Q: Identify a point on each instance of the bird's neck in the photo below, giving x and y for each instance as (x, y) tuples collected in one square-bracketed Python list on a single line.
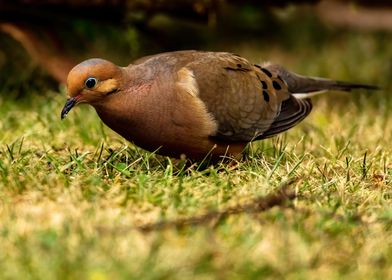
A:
[(127, 113)]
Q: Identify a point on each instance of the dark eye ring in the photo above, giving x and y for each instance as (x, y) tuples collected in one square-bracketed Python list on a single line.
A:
[(90, 82)]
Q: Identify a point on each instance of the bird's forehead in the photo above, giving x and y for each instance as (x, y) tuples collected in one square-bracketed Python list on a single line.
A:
[(87, 68), (75, 80), (97, 68)]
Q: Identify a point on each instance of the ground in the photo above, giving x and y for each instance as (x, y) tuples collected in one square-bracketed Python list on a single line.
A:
[(72, 192)]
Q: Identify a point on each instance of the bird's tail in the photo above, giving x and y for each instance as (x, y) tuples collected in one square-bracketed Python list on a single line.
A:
[(305, 87)]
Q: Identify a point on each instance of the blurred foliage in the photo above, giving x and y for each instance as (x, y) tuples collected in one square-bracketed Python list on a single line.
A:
[(290, 28), (18, 73)]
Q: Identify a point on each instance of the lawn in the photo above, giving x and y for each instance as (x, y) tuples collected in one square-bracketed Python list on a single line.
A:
[(74, 195)]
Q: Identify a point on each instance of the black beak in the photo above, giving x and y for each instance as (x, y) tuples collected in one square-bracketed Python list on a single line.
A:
[(68, 106)]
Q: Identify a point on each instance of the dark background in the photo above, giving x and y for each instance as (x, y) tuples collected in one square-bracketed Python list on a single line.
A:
[(42, 39)]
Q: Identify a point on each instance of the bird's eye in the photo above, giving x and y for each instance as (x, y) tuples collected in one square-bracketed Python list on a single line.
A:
[(90, 82)]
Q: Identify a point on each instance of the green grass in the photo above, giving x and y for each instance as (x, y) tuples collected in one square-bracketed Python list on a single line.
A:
[(71, 192)]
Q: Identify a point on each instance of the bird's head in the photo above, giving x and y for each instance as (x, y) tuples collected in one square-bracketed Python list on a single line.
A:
[(91, 82)]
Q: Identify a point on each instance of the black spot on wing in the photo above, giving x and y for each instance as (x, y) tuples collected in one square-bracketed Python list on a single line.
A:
[(266, 96), (237, 69), (264, 70), (268, 73), (264, 84), (276, 85)]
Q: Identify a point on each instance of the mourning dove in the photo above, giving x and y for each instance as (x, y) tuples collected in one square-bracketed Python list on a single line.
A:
[(195, 103)]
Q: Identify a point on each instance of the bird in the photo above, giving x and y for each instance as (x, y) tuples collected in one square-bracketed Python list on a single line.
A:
[(196, 104)]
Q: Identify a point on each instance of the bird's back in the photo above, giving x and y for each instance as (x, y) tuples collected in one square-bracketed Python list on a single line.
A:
[(244, 99)]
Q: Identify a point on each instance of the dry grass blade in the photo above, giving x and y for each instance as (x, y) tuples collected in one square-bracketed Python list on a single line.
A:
[(259, 204)]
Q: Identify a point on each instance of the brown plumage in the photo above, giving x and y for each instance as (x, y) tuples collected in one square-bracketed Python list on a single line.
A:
[(195, 103)]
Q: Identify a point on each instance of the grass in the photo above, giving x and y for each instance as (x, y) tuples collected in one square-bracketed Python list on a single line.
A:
[(71, 192)]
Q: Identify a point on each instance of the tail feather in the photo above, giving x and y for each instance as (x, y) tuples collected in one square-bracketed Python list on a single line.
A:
[(305, 87), (347, 86)]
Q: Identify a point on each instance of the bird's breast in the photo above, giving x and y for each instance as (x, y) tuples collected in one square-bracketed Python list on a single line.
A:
[(170, 122)]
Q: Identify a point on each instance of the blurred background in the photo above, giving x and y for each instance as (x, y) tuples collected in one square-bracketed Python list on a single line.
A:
[(72, 190), (41, 40)]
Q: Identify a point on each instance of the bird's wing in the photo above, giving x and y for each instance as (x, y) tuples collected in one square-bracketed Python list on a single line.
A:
[(247, 101)]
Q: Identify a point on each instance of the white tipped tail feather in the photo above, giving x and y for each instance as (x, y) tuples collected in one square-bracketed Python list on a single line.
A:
[(305, 87)]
